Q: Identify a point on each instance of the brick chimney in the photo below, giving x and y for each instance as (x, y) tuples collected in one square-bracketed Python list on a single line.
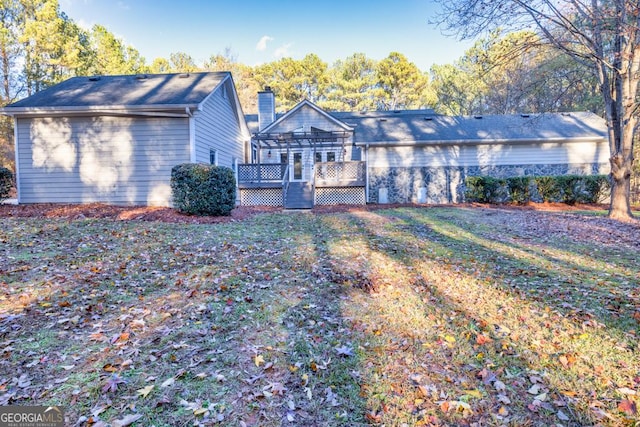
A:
[(266, 108)]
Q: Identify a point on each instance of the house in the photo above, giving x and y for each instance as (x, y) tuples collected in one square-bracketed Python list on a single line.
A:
[(308, 156), (115, 139)]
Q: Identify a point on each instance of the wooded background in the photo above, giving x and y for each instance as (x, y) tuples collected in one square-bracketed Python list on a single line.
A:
[(502, 73)]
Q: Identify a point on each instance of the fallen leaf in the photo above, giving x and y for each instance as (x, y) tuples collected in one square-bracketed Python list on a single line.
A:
[(344, 351), (629, 407), (473, 393), (535, 389), (482, 339), (144, 392), (562, 416), (126, 421), (168, 382), (625, 390), (258, 360), (112, 383)]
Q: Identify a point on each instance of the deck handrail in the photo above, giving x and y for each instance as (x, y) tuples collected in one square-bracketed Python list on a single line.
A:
[(340, 171), (261, 172), (285, 182)]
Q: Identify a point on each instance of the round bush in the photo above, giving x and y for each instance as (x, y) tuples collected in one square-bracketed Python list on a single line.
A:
[(202, 189)]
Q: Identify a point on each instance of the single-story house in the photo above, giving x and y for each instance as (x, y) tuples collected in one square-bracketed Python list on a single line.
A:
[(114, 139), (308, 156)]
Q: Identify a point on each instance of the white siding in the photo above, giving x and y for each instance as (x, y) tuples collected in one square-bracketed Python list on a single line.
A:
[(217, 127), (118, 160), (303, 119), (489, 155)]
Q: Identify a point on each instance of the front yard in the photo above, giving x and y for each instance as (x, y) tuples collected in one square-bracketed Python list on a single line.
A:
[(405, 316)]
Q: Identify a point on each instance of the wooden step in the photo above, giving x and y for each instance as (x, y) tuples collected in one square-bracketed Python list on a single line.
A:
[(299, 196)]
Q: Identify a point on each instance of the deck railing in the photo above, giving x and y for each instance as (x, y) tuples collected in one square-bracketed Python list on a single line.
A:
[(257, 173), (343, 173), (326, 174)]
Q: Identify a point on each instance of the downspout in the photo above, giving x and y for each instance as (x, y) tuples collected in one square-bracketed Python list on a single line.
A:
[(16, 156), (366, 173), (192, 135)]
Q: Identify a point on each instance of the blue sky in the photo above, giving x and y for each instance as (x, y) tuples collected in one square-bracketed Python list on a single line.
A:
[(263, 31)]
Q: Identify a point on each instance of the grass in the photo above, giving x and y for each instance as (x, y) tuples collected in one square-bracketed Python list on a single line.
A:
[(409, 316)]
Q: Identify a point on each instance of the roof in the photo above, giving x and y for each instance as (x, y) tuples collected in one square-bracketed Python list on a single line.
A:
[(143, 91), (420, 128), (416, 127)]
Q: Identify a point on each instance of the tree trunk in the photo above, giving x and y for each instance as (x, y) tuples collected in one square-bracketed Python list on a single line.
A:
[(620, 207)]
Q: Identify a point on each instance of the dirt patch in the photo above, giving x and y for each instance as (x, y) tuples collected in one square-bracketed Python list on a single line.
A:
[(149, 213)]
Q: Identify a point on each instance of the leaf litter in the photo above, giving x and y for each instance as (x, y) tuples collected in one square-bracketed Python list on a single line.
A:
[(415, 316)]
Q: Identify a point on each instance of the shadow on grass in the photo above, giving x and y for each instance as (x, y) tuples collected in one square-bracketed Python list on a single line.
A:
[(542, 355)]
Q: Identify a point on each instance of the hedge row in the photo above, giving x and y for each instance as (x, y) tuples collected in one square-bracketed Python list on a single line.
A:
[(568, 189), (6, 183), (202, 189)]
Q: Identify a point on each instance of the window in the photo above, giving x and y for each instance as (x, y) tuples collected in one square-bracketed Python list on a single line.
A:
[(318, 157), (213, 157), (331, 156), (283, 158)]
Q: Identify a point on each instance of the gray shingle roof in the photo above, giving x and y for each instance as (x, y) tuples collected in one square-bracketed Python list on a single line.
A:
[(125, 91), (409, 127)]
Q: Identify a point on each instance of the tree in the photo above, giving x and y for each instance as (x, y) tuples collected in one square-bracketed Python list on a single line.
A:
[(352, 84), (109, 55), (182, 63), (51, 44), (295, 80), (159, 66), (401, 84), (602, 34), (246, 85)]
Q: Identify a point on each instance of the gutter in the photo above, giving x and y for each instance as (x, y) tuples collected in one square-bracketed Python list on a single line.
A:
[(480, 141), (160, 110)]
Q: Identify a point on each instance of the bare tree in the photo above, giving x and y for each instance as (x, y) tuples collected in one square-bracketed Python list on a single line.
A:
[(605, 34)]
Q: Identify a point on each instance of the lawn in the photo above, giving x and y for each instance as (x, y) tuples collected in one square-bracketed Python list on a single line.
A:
[(404, 316)]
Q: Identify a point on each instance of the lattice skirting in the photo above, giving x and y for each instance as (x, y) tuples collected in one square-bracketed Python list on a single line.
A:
[(261, 197), (340, 196)]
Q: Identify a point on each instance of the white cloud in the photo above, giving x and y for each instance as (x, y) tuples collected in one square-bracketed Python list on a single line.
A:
[(262, 44), (283, 50)]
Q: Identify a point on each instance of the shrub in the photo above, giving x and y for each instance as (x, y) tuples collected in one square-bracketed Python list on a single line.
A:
[(6, 183), (519, 189), (597, 188), (202, 189), (485, 189), (570, 188), (547, 188)]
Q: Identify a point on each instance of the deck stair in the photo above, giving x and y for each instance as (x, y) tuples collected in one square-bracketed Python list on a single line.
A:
[(299, 195)]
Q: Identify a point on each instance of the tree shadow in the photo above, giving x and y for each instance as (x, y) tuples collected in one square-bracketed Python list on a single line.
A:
[(526, 340)]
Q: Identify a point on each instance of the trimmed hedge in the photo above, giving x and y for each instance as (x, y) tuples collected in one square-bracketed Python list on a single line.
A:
[(569, 189), (484, 189), (6, 183), (202, 189), (519, 189)]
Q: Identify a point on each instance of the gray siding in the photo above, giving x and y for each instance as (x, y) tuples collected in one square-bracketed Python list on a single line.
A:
[(117, 160), (490, 154), (217, 127)]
